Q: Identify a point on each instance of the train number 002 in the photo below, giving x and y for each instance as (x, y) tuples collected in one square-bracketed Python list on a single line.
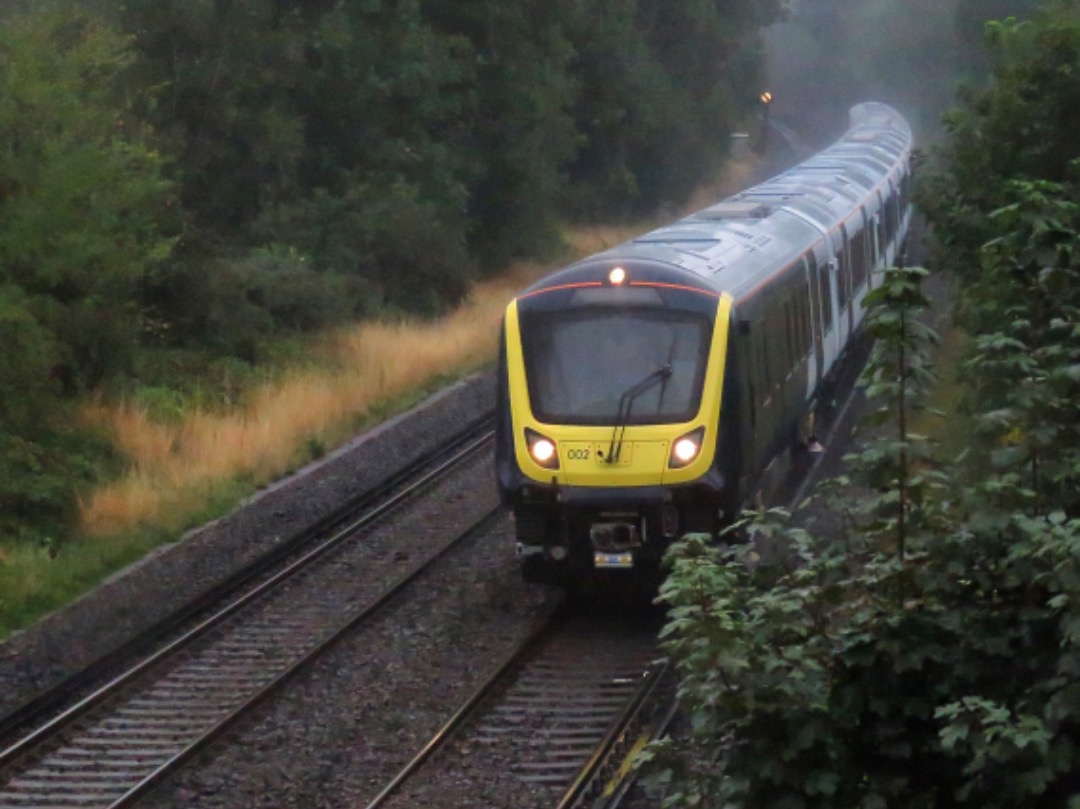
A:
[(578, 454)]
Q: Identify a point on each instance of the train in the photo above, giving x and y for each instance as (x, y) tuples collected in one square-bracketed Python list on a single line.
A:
[(643, 392)]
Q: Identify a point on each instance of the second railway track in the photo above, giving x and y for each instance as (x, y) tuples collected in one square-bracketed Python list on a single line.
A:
[(555, 728), (110, 747)]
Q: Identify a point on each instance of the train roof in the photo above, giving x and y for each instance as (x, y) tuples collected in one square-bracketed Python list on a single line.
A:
[(737, 244)]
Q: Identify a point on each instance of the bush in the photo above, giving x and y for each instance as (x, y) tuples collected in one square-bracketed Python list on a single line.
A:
[(854, 680), (928, 658)]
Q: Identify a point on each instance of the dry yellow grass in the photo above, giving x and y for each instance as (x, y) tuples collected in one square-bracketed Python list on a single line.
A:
[(174, 468)]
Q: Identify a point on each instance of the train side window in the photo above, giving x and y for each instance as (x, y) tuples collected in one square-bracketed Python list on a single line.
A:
[(807, 331), (749, 376), (841, 278), (789, 323), (899, 203), (876, 242), (824, 300), (794, 330), (855, 259), (888, 216), (758, 383), (826, 295), (765, 367)]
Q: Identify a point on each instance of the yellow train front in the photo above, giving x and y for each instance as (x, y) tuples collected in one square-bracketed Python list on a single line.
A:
[(611, 388)]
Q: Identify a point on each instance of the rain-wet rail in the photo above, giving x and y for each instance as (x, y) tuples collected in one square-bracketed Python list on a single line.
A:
[(365, 508), (562, 718), (113, 745)]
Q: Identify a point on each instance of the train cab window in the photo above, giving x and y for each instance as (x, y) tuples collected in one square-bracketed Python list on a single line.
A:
[(581, 363)]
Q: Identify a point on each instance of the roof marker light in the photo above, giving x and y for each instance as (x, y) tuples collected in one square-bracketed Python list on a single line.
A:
[(617, 276)]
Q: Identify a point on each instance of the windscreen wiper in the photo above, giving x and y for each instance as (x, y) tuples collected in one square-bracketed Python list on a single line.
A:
[(626, 403), (670, 360)]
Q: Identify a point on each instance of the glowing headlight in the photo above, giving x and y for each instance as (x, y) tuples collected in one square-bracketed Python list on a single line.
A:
[(686, 448), (542, 449)]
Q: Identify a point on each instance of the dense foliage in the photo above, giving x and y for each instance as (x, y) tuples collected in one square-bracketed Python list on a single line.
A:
[(205, 176), (928, 653), (82, 206)]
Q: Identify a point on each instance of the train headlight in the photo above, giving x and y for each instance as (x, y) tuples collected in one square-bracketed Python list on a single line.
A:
[(686, 448), (542, 449)]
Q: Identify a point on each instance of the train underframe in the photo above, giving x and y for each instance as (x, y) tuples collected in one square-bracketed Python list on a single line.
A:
[(575, 535)]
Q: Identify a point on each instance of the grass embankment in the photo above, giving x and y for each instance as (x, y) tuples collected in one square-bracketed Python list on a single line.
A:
[(184, 471)]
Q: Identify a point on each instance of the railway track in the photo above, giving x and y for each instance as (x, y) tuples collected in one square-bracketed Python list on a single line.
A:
[(118, 741), (556, 726)]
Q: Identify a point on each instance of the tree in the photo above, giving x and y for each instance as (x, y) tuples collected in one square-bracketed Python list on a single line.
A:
[(517, 117), (898, 375), (1000, 200), (82, 199), (662, 86), (1017, 127), (385, 184), (224, 72)]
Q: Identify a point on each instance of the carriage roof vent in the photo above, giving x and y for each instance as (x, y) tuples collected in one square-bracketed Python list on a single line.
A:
[(863, 137), (736, 210)]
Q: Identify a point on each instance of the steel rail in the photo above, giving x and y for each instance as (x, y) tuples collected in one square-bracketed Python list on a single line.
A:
[(446, 732), (51, 702), (589, 788), (571, 686), (41, 736)]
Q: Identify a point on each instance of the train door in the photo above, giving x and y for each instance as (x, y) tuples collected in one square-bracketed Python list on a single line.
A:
[(904, 212), (817, 347), (838, 289), (859, 253), (891, 225), (875, 239), (827, 298), (750, 364), (845, 267)]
